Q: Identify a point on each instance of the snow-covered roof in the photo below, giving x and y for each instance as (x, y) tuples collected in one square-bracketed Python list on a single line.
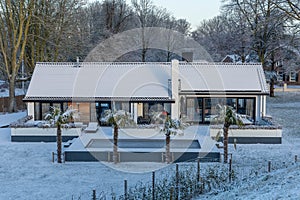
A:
[(102, 81), (139, 81), (222, 77)]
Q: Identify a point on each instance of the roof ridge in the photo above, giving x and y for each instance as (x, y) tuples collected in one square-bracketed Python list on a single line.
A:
[(74, 64)]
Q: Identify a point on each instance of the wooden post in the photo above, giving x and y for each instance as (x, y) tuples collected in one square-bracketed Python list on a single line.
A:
[(171, 193), (94, 194), (296, 158), (125, 190), (53, 157), (177, 182), (153, 185), (198, 170), (230, 169), (64, 157), (269, 166)]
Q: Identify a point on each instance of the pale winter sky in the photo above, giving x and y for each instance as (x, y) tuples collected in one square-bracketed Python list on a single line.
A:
[(192, 10)]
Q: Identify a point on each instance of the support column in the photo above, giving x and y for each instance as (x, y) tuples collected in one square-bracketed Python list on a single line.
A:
[(175, 89), (135, 112), (30, 109), (264, 105)]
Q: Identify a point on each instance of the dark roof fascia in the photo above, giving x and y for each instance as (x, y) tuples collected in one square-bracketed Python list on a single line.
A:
[(226, 92), (99, 99)]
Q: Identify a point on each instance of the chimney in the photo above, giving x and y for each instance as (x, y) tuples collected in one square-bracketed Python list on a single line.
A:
[(187, 56), (77, 62)]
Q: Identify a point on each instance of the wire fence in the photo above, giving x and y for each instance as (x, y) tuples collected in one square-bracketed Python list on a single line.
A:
[(189, 179)]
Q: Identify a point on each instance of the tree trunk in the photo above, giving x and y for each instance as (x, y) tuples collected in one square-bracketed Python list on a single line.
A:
[(272, 88), (168, 154), (225, 145), (115, 153), (12, 99), (59, 141)]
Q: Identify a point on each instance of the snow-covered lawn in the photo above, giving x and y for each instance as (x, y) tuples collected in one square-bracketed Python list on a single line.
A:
[(26, 171), (251, 161), (6, 119)]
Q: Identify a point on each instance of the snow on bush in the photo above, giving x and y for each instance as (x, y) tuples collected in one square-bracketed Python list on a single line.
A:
[(122, 118)]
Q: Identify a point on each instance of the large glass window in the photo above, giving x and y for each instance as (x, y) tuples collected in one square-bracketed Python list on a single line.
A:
[(211, 108), (194, 109), (122, 106), (205, 110), (37, 114), (45, 109)]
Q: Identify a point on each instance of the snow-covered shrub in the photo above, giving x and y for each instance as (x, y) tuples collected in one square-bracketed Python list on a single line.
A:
[(22, 123), (173, 126), (121, 117)]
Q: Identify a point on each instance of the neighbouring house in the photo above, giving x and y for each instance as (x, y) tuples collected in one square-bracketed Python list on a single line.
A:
[(186, 90), (234, 58)]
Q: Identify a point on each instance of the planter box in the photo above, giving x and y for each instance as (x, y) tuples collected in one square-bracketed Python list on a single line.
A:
[(252, 136), (42, 134)]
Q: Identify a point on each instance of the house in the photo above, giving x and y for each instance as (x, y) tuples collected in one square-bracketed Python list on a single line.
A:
[(186, 90)]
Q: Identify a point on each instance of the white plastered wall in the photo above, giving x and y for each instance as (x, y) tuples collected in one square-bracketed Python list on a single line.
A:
[(175, 85), (30, 109)]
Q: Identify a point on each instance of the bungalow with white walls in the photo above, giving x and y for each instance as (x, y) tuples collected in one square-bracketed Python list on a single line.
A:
[(186, 90)]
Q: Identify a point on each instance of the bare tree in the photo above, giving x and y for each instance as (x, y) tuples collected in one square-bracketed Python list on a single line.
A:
[(223, 35), (290, 7), (147, 15), (117, 13), (266, 23), (15, 19)]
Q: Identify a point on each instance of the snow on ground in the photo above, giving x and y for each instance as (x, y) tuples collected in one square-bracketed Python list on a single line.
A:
[(251, 161), (6, 119), (26, 171), (5, 92)]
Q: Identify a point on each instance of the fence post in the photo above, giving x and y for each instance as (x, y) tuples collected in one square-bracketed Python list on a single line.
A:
[(94, 194), (52, 156), (64, 157), (230, 169), (296, 158), (153, 185), (125, 190), (171, 193), (198, 170), (177, 182), (269, 166)]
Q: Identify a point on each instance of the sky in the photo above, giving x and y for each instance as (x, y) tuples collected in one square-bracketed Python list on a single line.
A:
[(194, 11)]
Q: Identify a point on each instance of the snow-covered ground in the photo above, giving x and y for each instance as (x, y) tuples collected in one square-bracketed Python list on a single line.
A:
[(26, 171), (251, 161), (6, 119), (4, 92)]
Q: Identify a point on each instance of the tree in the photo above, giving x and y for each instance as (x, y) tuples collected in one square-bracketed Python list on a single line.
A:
[(57, 118), (228, 116), (113, 122), (224, 35), (117, 119), (267, 25), (147, 15), (290, 7), (171, 127), (15, 19)]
